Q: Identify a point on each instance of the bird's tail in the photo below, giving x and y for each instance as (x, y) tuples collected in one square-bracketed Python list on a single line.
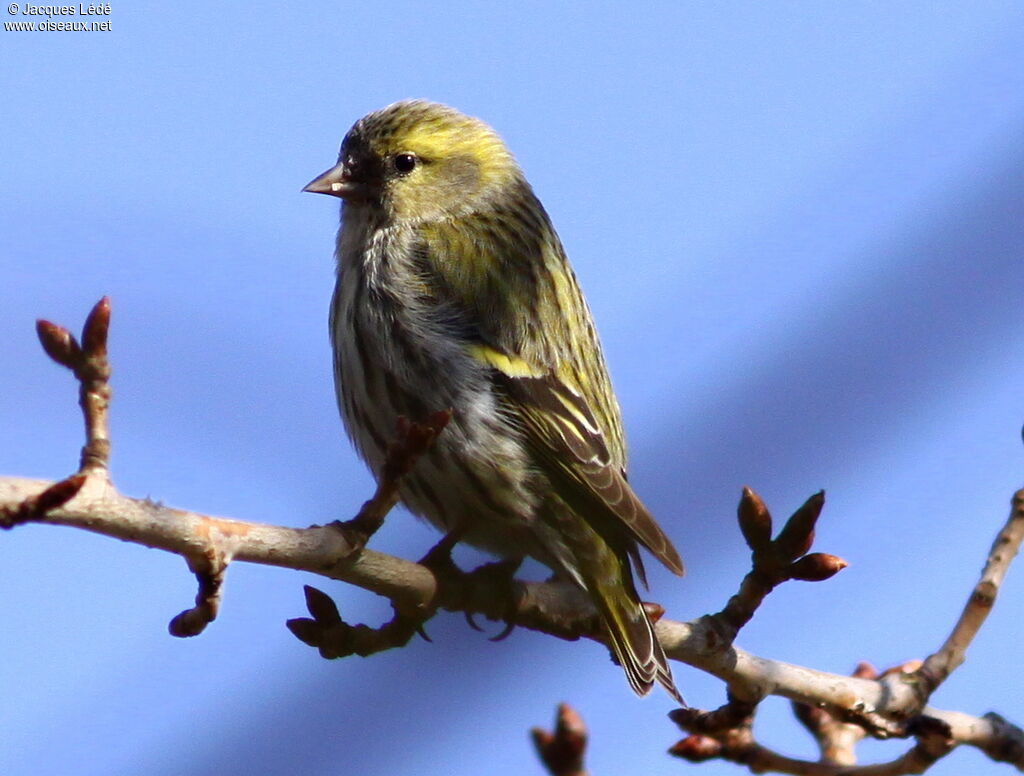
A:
[(632, 639)]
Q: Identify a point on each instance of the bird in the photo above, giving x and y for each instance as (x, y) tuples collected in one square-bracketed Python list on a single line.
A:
[(454, 292)]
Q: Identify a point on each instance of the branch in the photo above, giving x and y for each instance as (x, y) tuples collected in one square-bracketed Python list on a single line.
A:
[(938, 666), (836, 738), (736, 743), (550, 607), (890, 705), (893, 704)]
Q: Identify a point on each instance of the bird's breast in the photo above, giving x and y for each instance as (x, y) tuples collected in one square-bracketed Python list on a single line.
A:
[(390, 335)]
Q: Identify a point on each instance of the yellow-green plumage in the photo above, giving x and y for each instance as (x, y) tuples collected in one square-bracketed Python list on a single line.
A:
[(454, 291)]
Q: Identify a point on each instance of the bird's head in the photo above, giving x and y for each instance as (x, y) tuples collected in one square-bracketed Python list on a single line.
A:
[(419, 161)]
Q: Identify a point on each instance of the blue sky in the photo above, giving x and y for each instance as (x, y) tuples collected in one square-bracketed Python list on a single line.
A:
[(798, 226)]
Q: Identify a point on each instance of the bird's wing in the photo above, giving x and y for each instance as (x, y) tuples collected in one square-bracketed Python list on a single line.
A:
[(572, 451), (485, 309)]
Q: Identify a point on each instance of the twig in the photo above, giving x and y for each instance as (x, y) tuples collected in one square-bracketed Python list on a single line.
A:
[(210, 571), (335, 638), (836, 739), (736, 743), (412, 440), (774, 561), (89, 363), (734, 715), (562, 751), (938, 666)]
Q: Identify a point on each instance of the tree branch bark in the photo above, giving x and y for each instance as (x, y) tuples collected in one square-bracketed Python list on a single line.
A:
[(893, 704)]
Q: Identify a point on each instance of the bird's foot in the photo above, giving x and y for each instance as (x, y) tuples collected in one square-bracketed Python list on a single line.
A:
[(496, 582)]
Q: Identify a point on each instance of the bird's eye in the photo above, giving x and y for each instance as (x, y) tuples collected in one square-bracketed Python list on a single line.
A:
[(405, 163)]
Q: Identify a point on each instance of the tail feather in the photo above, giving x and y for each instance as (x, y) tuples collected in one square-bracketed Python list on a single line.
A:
[(633, 642)]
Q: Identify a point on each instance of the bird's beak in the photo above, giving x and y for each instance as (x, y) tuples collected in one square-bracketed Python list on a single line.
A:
[(338, 182)]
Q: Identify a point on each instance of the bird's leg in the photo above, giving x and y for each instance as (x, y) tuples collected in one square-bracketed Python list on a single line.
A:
[(439, 560), (439, 557), (490, 589)]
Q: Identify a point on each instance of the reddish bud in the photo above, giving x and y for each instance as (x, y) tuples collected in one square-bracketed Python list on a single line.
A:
[(865, 670), (653, 611), (755, 520), (811, 717), (190, 622), (817, 567), (570, 721), (563, 750), (570, 730), (438, 420), (59, 343), (687, 717), (37, 507), (94, 333), (321, 606), (797, 536), (59, 494), (305, 630), (542, 739), (908, 667), (696, 749)]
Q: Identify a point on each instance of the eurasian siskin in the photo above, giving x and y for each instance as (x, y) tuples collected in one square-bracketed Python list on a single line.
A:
[(454, 292)]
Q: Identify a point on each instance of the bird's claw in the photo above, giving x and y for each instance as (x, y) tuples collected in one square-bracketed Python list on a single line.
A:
[(505, 632), (502, 574)]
